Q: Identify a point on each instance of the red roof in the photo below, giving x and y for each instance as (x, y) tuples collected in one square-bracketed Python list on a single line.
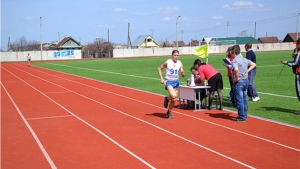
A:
[(291, 37), (268, 39), (180, 43), (64, 40), (193, 43)]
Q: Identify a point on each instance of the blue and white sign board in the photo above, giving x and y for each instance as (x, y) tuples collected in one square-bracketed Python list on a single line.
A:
[(64, 53)]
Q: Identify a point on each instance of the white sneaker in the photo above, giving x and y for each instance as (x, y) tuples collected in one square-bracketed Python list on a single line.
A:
[(255, 99)]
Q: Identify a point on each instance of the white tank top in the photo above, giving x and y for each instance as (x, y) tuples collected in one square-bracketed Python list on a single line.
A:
[(172, 69)]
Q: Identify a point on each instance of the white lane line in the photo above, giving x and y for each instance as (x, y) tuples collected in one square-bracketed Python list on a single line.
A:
[(103, 134), (31, 131), (257, 66), (144, 77), (278, 95), (267, 140), (199, 145), (105, 71), (52, 117), (56, 92)]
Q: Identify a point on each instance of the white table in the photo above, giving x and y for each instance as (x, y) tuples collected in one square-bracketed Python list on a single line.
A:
[(189, 93)]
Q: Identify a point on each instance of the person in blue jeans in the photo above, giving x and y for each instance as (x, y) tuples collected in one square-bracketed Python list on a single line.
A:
[(250, 55), (240, 69)]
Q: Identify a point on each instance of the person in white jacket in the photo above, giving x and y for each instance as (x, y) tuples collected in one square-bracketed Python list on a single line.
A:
[(28, 59)]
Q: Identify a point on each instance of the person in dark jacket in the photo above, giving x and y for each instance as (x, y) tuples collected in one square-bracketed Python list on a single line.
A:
[(296, 69), (251, 92)]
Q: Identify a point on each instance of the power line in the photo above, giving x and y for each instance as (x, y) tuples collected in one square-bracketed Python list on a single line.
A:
[(262, 21), (240, 23)]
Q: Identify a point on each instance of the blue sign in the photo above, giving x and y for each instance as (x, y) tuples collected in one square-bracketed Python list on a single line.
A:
[(64, 53)]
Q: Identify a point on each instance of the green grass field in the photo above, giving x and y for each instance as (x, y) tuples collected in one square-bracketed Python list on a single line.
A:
[(278, 96)]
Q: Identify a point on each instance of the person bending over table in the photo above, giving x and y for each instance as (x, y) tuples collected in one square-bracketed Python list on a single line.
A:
[(215, 81)]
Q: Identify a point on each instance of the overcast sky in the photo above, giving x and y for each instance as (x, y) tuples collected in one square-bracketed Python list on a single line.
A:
[(85, 20)]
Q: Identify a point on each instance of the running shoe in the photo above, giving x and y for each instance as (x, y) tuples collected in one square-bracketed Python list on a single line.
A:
[(255, 99), (169, 115), (239, 119), (166, 102)]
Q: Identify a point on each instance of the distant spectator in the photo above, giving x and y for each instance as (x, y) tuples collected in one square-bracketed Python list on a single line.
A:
[(28, 59)]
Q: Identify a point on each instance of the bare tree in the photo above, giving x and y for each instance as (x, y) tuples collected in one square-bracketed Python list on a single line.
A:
[(166, 44), (18, 44), (22, 44), (33, 45), (89, 50), (106, 49), (98, 48), (243, 33)]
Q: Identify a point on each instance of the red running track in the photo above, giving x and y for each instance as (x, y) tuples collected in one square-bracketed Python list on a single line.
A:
[(55, 120)]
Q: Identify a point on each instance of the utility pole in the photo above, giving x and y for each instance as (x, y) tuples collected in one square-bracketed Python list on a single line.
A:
[(182, 32), (97, 47), (8, 44), (176, 32), (228, 24), (108, 43), (128, 38), (41, 38), (297, 28), (254, 30)]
